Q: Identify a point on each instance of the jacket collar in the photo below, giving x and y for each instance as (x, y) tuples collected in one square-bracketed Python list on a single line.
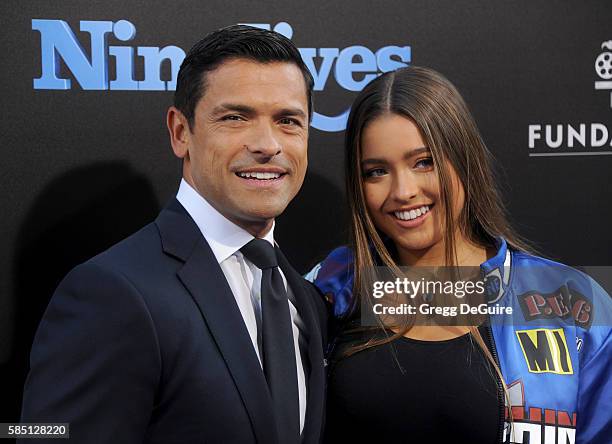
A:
[(223, 236), (204, 279), (496, 271), (182, 239), (179, 234)]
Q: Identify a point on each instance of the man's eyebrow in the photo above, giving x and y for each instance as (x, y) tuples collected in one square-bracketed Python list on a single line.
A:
[(407, 155), (248, 110), (235, 107), (296, 112)]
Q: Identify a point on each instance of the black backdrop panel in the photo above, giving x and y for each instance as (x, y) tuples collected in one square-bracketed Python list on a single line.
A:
[(82, 168)]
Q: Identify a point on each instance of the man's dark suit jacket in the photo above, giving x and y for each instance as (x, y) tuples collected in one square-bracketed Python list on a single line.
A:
[(145, 343)]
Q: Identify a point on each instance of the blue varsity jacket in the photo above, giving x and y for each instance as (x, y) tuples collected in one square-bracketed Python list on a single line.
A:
[(554, 351)]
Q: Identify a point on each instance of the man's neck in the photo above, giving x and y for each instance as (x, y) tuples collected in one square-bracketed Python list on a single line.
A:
[(257, 229)]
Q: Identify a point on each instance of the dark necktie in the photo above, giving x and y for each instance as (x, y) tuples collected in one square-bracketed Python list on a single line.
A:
[(277, 337)]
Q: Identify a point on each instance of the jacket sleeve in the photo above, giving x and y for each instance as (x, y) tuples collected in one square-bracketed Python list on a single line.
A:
[(594, 413), (95, 362), (334, 278)]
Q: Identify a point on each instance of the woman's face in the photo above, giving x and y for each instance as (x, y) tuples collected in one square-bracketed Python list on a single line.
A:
[(401, 186)]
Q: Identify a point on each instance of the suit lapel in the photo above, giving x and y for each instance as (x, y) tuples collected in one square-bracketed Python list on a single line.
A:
[(206, 282), (316, 374)]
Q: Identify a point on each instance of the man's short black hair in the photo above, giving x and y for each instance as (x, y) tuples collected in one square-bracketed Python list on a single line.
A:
[(236, 41)]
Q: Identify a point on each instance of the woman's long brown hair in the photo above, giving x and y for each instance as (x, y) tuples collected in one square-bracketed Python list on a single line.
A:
[(438, 110)]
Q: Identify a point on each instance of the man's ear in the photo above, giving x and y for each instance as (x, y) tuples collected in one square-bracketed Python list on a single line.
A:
[(179, 131)]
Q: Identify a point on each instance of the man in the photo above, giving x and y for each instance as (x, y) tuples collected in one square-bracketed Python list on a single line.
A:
[(183, 333)]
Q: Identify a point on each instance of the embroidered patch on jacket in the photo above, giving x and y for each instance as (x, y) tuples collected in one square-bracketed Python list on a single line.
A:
[(564, 303), (545, 351)]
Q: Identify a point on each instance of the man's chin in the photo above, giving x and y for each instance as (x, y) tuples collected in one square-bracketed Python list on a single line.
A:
[(261, 206), (261, 216)]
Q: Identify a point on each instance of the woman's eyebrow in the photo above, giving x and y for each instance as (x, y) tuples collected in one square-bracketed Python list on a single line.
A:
[(408, 154), (372, 160), (415, 152)]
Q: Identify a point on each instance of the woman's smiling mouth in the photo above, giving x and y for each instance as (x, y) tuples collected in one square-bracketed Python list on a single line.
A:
[(411, 217)]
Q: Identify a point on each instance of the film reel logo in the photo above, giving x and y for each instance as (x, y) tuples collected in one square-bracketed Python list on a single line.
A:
[(603, 68)]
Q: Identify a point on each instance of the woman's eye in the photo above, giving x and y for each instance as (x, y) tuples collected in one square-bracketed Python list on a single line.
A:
[(376, 172), (426, 163)]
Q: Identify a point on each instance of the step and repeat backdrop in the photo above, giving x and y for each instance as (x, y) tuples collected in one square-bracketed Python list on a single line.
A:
[(86, 158)]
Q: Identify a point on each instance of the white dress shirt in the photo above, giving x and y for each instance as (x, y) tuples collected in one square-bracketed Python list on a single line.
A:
[(226, 239)]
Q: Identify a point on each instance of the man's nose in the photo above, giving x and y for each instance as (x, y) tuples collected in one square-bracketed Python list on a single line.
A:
[(265, 141)]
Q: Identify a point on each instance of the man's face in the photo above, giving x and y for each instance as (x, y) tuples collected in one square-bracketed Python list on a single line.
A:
[(246, 153)]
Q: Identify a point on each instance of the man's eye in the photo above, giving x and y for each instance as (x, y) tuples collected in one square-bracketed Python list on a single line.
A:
[(376, 172), (233, 117), (290, 121), (426, 163)]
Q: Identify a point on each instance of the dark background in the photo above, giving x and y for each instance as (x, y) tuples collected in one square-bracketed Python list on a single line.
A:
[(83, 169)]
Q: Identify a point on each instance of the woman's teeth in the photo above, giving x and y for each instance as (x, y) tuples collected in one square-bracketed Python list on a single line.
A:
[(412, 214), (260, 176)]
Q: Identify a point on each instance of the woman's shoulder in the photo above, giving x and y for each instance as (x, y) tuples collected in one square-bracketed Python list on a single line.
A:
[(536, 270), (580, 290), (551, 270), (334, 277)]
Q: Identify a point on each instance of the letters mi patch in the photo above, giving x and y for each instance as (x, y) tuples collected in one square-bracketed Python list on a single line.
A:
[(545, 351)]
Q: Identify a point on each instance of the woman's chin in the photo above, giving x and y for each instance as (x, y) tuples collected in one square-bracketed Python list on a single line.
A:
[(414, 244)]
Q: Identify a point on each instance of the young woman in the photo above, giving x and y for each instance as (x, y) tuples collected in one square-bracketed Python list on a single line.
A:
[(421, 193)]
